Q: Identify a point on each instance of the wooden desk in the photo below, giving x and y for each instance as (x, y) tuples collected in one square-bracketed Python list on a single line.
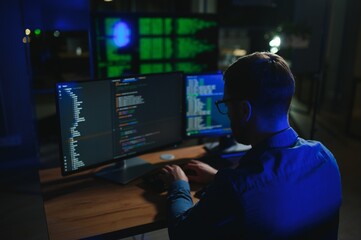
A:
[(81, 206)]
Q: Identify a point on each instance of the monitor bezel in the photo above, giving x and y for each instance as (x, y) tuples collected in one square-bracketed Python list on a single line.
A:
[(96, 166)]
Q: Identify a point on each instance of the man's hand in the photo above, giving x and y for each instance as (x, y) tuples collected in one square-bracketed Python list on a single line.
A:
[(171, 173), (203, 172)]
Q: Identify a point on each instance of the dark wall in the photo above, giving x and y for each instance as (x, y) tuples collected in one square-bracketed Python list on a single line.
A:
[(21, 205), (315, 16), (18, 109), (64, 15)]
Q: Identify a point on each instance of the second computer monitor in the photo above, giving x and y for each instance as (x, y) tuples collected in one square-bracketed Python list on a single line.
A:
[(202, 116), (114, 120)]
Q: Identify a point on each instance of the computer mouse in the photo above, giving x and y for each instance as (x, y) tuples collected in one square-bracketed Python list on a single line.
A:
[(167, 156)]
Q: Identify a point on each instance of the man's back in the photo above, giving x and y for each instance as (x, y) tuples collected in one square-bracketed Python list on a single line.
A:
[(285, 187)]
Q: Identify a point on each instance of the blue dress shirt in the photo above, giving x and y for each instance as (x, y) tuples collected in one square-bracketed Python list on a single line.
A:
[(282, 188)]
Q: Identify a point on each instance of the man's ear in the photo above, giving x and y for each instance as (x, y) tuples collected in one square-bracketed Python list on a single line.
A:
[(246, 110)]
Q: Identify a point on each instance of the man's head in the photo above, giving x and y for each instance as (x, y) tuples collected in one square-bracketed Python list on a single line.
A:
[(259, 88)]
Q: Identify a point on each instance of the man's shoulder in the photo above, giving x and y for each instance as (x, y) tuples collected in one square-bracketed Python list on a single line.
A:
[(310, 144), (279, 165), (303, 158), (314, 148)]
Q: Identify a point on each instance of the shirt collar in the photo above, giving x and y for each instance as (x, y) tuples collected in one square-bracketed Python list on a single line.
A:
[(284, 138)]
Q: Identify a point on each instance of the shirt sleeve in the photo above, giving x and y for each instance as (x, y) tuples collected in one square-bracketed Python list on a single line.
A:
[(210, 218), (179, 199)]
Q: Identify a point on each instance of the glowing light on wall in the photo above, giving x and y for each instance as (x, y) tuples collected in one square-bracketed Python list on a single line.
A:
[(37, 31), (26, 39), (121, 34), (275, 42), (239, 52), (27, 31), (56, 33), (274, 50)]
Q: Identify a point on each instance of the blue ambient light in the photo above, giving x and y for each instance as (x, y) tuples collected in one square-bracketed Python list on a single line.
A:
[(121, 34)]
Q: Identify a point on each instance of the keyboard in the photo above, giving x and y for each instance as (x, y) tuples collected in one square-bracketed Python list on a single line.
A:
[(153, 181)]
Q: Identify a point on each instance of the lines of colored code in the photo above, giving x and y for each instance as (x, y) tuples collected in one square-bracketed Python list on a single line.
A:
[(137, 44)]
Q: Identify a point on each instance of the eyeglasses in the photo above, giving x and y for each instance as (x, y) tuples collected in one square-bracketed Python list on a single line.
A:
[(222, 105)]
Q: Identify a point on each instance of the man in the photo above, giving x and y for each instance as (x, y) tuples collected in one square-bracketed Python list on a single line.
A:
[(285, 187)]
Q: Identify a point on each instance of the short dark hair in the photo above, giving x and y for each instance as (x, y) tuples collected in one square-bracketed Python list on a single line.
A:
[(264, 79)]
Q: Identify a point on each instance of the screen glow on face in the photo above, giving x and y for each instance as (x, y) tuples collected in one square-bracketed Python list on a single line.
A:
[(121, 34)]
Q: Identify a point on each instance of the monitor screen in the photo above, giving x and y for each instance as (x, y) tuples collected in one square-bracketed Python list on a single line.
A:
[(146, 43), (202, 116), (109, 120)]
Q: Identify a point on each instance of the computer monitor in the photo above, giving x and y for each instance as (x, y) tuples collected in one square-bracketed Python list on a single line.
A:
[(202, 116), (203, 120), (114, 120), (127, 43)]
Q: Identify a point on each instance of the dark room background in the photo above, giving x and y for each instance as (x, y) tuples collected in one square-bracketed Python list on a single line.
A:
[(47, 41)]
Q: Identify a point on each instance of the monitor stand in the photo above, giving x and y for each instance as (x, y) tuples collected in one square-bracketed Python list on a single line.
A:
[(126, 170), (226, 147)]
